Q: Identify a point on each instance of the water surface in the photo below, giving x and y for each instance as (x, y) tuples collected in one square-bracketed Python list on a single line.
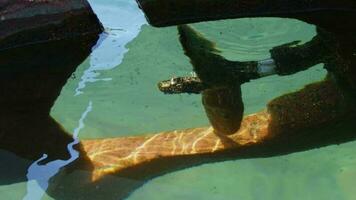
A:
[(118, 80)]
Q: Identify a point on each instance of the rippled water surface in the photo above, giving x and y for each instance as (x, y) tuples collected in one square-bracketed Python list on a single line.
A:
[(114, 93)]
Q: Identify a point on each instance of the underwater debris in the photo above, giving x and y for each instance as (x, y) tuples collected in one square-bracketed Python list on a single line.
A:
[(178, 85)]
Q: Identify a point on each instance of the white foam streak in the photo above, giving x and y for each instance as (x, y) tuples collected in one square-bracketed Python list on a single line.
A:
[(122, 20), (39, 175)]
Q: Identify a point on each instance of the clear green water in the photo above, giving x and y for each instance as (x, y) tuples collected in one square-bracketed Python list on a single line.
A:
[(127, 102)]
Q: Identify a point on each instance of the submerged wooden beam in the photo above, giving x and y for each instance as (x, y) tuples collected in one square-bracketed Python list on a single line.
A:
[(111, 156), (282, 125)]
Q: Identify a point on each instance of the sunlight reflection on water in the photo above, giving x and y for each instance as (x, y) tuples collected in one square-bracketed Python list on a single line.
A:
[(43, 173), (122, 21)]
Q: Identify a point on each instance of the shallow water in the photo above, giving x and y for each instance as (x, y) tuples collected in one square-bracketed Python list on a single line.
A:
[(114, 93)]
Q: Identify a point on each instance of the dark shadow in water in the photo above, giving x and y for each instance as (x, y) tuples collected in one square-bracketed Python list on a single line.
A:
[(32, 77), (37, 56)]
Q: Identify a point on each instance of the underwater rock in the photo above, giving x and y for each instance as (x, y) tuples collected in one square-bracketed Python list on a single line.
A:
[(41, 45), (24, 22), (324, 13), (34, 48)]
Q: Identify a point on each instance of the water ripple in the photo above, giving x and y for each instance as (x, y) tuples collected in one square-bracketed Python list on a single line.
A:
[(251, 39)]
